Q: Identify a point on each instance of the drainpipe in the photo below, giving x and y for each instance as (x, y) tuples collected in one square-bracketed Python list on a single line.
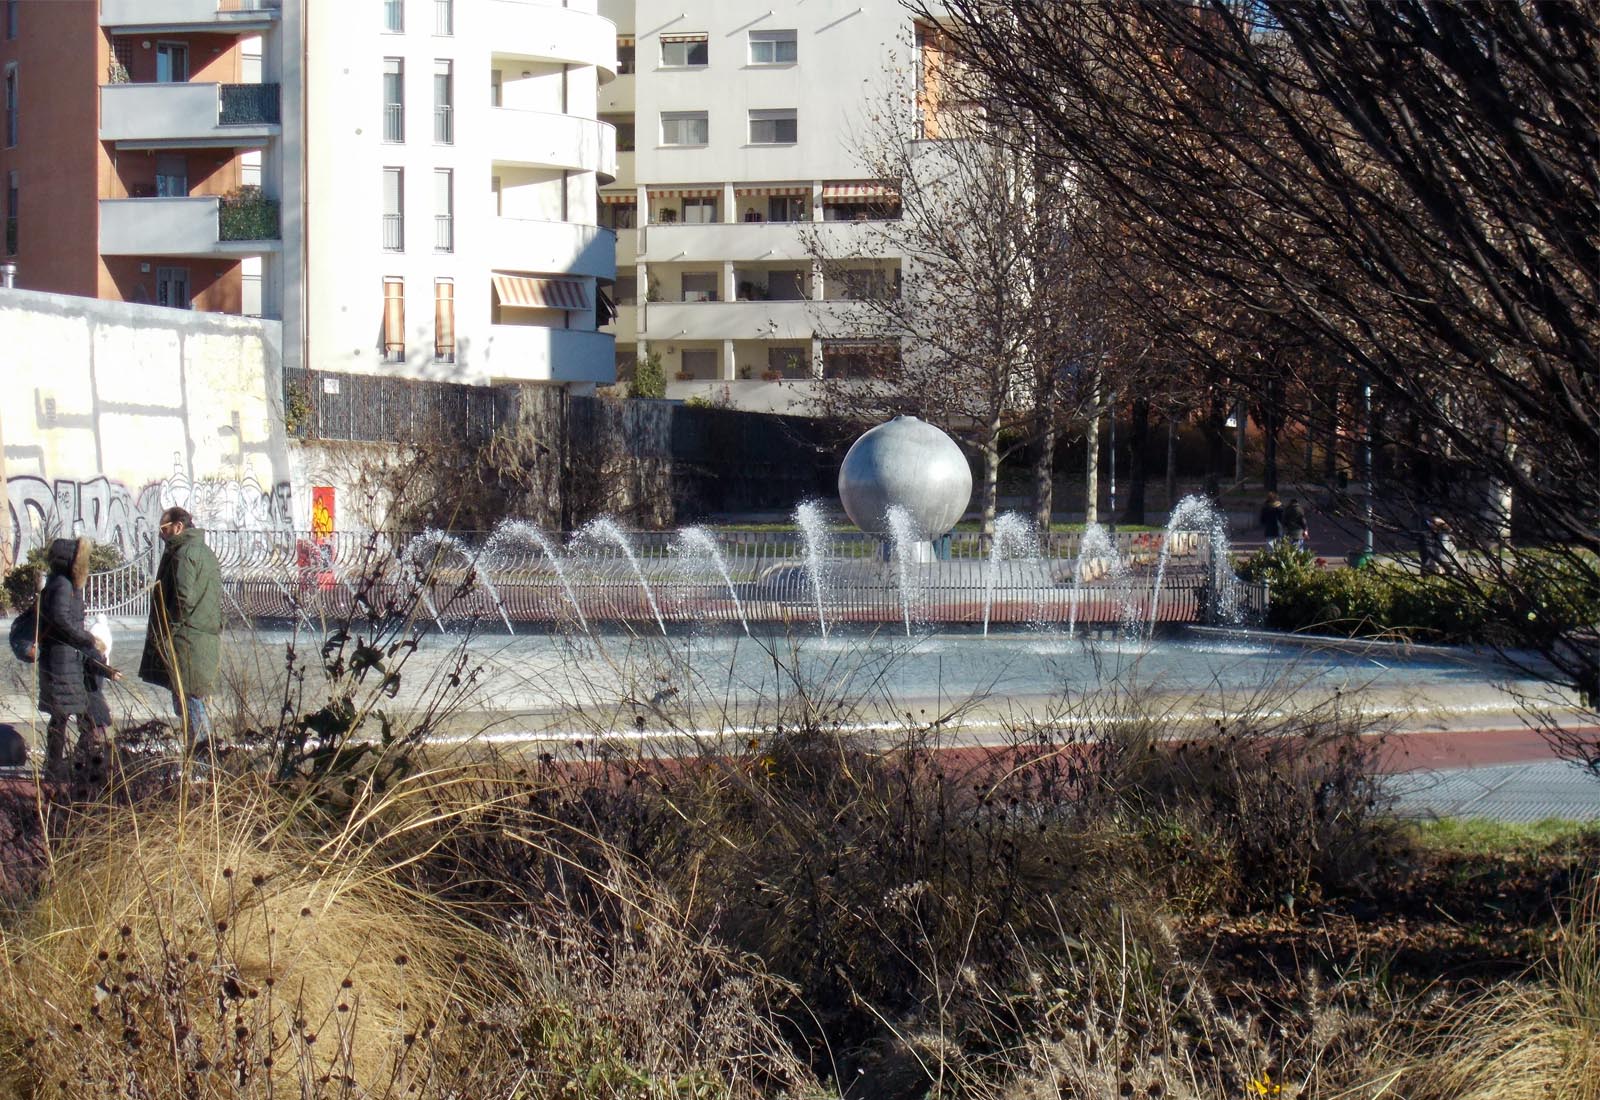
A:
[(8, 274)]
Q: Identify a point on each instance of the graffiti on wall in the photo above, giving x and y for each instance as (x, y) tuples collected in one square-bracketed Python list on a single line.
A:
[(108, 511)]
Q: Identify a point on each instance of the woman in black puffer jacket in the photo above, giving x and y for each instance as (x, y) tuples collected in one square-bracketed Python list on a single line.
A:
[(64, 643)]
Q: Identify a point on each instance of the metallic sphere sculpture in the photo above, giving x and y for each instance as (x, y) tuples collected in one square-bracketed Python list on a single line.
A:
[(911, 463)]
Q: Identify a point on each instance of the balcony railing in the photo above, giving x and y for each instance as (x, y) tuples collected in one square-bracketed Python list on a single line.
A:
[(394, 232), (248, 105), (444, 124), (394, 122), (444, 233), (247, 216)]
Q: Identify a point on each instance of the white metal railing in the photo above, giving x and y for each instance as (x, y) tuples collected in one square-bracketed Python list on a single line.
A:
[(123, 591)]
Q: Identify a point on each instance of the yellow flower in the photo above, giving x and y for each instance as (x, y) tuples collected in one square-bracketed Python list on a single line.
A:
[(1264, 1086)]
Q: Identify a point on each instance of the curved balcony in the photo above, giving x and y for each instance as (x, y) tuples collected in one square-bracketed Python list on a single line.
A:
[(173, 116), (181, 227), (547, 30), (544, 139), (529, 353), (524, 244)]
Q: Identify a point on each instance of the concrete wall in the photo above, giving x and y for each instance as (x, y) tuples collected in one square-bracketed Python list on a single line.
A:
[(114, 411)]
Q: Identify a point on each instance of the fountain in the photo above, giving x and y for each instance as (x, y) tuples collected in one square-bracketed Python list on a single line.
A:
[(1195, 513), (1094, 547), (1016, 532), (605, 529), (699, 540), (903, 538), (511, 532), (814, 529)]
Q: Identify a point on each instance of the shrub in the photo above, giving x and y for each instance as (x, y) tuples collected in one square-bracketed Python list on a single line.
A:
[(22, 581), (649, 378)]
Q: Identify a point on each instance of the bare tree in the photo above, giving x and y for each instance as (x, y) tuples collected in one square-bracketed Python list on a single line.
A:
[(1407, 185)]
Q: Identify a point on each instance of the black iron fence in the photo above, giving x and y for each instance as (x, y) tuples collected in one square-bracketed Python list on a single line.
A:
[(249, 105)]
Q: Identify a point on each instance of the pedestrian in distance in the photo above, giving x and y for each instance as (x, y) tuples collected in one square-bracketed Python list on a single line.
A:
[(183, 642), (1272, 519), (1438, 545), (64, 646), (1294, 524)]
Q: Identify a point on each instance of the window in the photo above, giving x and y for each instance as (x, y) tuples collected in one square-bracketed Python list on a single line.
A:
[(172, 62), (172, 287), (394, 218), (11, 18), (12, 195), (444, 91), (496, 88), (789, 362), (625, 133), (624, 56), (700, 286), (172, 176), (699, 211), (394, 320), (444, 320), (444, 17), (618, 215), (444, 209), (700, 363), (859, 359), (786, 208), (684, 50), (773, 127), (394, 99), (11, 104), (772, 48), (685, 128), (394, 16)]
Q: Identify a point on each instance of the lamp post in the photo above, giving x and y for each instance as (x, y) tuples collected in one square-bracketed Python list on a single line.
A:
[(1366, 456)]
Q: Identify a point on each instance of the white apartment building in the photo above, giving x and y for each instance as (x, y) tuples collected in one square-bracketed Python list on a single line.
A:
[(736, 126), (453, 157)]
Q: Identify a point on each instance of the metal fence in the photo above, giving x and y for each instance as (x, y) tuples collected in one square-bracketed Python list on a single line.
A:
[(248, 105)]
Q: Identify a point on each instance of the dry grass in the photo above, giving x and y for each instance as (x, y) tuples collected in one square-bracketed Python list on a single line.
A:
[(215, 948)]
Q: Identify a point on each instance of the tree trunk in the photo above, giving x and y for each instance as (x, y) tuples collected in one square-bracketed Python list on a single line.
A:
[(1091, 474), (1271, 426), (1216, 432), (1172, 461), (1138, 468), (989, 493), (1044, 458)]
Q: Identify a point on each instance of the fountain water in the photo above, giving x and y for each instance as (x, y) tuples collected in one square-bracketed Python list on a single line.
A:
[(814, 527), (420, 571), (1097, 545), (1195, 513), (699, 540), (605, 529), (1010, 530), (903, 538), (511, 532)]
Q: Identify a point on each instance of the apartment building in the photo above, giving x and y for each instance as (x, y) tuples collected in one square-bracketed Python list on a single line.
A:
[(143, 150), (409, 185), (455, 156), (736, 126)]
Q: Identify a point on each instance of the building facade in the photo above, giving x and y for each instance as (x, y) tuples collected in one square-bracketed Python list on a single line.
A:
[(737, 132), (409, 185)]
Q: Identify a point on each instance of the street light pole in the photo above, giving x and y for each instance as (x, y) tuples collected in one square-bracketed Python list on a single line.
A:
[(1366, 458), (1112, 525)]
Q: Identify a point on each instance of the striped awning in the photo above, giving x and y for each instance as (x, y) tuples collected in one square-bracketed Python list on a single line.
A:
[(860, 189), (685, 38), (619, 198), (540, 292), (780, 189), (686, 193)]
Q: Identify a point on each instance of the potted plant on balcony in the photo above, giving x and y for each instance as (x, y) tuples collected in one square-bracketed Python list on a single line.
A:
[(684, 376), (246, 214)]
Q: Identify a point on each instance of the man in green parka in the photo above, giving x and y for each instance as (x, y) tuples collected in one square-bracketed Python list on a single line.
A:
[(183, 643)]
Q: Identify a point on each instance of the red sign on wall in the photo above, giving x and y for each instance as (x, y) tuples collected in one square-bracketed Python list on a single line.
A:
[(321, 512)]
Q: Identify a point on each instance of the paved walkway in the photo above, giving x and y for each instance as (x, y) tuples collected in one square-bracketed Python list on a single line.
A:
[(1523, 792)]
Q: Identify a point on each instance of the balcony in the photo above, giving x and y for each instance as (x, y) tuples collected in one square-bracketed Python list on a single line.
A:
[(683, 243), (547, 140), (530, 353), (205, 226), (551, 31), (176, 116), (626, 326), (617, 97), (525, 244), (224, 16), (765, 320)]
